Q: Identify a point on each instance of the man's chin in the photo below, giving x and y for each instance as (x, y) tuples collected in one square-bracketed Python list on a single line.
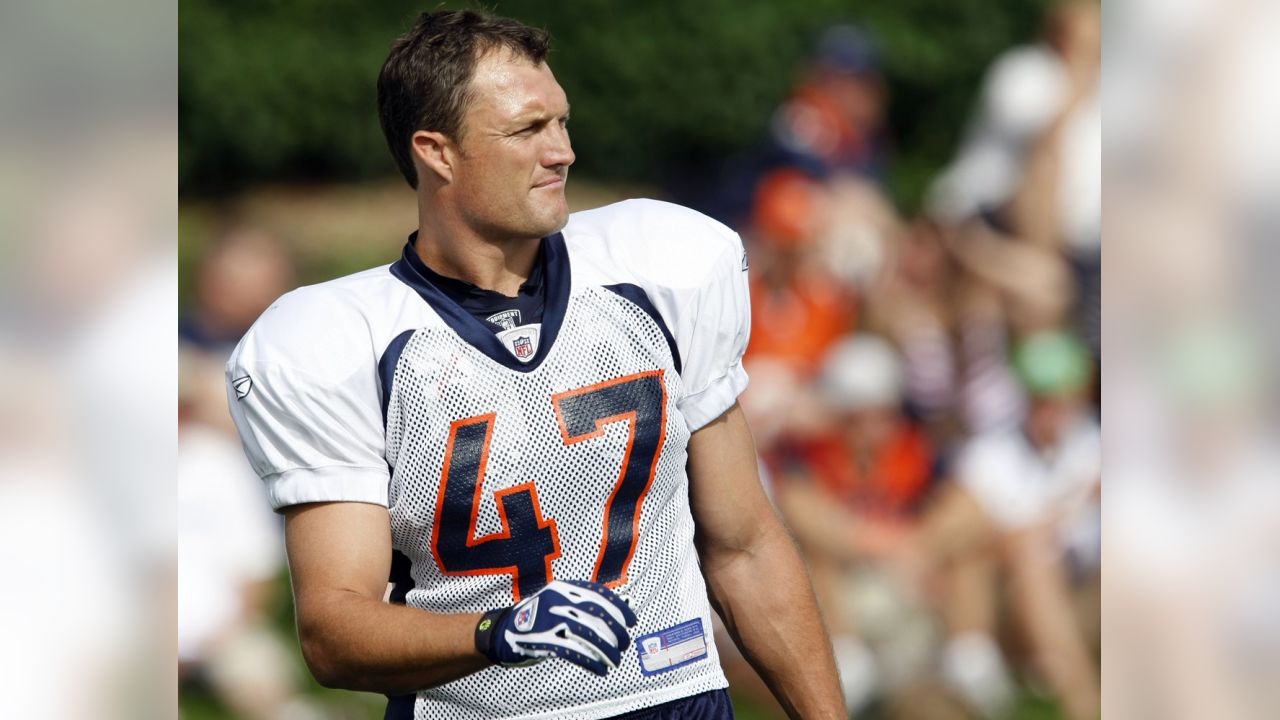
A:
[(540, 220), (555, 222)]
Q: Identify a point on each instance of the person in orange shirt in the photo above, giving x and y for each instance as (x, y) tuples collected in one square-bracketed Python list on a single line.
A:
[(851, 493), (799, 309), (834, 119)]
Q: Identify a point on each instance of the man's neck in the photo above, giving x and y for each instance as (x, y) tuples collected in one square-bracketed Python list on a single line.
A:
[(457, 252)]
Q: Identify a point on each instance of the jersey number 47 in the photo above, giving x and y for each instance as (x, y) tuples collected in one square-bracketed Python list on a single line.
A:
[(529, 542)]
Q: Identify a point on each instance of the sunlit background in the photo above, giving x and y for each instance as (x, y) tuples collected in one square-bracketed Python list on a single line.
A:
[(920, 188)]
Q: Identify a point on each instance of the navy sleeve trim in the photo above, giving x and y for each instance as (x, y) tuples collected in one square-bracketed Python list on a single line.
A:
[(401, 577), (637, 296), (400, 707), (387, 368)]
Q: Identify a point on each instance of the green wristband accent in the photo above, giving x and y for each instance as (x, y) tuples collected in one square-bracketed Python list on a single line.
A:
[(484, 631)]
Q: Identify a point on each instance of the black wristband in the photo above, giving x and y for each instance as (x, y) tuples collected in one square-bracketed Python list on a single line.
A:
[(484, 631)]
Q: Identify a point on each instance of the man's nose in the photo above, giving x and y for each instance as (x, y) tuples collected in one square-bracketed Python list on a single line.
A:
[(559, 150)]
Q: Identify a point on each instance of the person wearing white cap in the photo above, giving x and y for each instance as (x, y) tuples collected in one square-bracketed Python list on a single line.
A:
[(862, 372), (850, 495)]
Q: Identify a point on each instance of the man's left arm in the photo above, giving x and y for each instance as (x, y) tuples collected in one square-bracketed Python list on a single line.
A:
[(754, 573)]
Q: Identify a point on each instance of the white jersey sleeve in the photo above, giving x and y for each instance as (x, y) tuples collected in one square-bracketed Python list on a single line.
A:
[(304, 393), (694, 271), (711, 332)]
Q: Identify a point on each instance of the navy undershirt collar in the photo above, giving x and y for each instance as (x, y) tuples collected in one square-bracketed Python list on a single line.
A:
[(481, 303), (549, 282)]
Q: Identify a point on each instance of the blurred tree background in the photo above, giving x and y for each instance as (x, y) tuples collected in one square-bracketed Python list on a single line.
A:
[(283, 90)]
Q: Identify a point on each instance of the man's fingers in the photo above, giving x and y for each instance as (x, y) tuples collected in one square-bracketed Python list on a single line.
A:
[(602, 625), (575, 635), (581, 592), (582, 659), (600, 645), (565, 643)]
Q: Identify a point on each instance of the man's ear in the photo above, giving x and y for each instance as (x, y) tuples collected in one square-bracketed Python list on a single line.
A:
[(436, 152)]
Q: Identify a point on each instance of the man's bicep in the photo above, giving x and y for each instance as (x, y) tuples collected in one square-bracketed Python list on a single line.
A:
[(341, 546), (727, 499)]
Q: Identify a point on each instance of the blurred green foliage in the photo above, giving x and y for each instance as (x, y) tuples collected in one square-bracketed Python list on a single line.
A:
[(283, 90)]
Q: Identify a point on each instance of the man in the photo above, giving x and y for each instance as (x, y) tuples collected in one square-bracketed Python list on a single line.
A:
[(834, 120), (1023, 513), (519, 422), (242, 272), (851, 491)]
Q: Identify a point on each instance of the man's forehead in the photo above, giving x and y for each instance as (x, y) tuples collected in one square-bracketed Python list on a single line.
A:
[(512, 84)]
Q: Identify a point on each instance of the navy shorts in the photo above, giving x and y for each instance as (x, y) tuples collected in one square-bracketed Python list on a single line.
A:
[(711, 705)]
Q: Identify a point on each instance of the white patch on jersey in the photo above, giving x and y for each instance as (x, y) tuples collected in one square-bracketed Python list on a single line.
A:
[(522, 341), (671, 648), (507, 319)]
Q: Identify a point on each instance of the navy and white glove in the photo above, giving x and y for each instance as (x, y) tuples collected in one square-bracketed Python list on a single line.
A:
[(583, 622)]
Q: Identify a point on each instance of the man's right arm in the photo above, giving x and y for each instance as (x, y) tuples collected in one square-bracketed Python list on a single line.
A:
[(339, 561)]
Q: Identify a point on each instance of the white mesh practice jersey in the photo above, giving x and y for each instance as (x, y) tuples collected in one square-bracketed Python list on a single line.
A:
[(501, 474)]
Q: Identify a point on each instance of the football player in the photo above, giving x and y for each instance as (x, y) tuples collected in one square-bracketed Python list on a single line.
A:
[(529, 424)]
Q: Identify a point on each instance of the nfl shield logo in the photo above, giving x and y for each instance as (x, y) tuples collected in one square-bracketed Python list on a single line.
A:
[(523, 346), (652, 646)]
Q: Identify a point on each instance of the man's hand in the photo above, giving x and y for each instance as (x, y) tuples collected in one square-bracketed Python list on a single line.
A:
[(582, 622)]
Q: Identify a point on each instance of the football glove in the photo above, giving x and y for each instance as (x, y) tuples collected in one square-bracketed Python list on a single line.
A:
[(583, 622)]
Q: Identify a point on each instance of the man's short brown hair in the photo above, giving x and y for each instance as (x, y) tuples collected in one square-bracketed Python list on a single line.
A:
[(425, 82)]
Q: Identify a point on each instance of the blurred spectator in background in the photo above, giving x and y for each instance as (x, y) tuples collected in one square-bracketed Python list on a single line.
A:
[(242, 273), (951, 299), (952, 329), (832, 124), (1031, 162), (851, 493), (1024, 513), (799, 308), (231, 547), (1037, 103), (231, 553), (859, 234), (834, 120)]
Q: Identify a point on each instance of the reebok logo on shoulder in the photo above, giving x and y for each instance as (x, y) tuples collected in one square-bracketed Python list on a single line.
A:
[(242, 386), (745, 265)]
